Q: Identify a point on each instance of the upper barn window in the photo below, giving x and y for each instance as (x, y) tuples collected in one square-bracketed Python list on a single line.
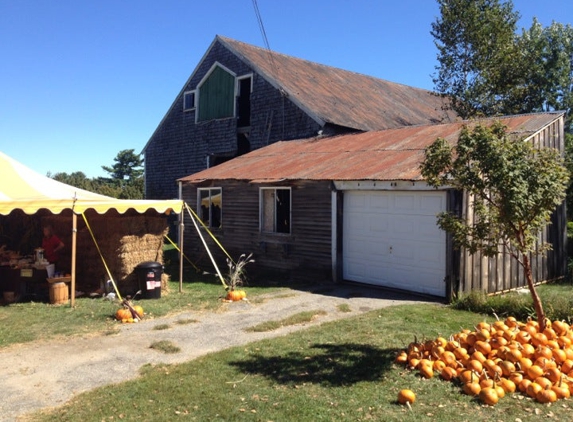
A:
[(189, 100), (216, 94)]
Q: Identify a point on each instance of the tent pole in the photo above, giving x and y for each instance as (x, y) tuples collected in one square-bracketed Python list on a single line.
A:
[(181, 231), (74, 245)]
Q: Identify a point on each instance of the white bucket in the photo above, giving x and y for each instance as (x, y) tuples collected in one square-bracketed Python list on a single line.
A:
[(51, 270)]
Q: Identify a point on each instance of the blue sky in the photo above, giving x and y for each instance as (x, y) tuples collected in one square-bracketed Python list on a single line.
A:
[(82, 80)]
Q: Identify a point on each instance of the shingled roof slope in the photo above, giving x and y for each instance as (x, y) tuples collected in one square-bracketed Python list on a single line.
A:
[(392, 154), (341, 97)]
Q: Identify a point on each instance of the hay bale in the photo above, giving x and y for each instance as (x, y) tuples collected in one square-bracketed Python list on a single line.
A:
[(123, 240)]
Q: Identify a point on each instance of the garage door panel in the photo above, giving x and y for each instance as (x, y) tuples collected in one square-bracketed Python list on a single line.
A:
[(378, 203), (405, 204), (378, 225), (391, 239)]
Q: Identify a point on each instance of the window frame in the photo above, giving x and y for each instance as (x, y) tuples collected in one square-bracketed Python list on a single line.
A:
[(262, 224), (185, 94), (200, 211)]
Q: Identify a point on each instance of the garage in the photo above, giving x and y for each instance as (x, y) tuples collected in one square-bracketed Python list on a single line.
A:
[(391, 239)]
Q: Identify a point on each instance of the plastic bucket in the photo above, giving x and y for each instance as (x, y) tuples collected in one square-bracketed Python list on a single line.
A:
[(58, 293)]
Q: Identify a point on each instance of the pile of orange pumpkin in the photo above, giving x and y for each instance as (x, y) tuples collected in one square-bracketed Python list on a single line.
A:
[(235, 295), (125, 315), (501, 358)]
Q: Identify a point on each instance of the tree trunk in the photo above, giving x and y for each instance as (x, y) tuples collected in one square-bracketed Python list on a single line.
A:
[(536, 300)]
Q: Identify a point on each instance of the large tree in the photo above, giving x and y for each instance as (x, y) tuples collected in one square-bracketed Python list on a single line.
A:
[(487, 69), (126, 175), (515, 189), (127, 166), (476, 46), (126, 181)]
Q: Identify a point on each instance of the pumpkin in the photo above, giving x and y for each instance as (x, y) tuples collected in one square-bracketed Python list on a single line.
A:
[(489, 396), (138, 310), (122, 314), (426, 371), (471, 388), (233, 295), (499, 359), (406, 396), (546, 396)]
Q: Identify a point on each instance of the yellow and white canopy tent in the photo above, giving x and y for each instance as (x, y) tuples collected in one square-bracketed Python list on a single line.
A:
[(24, 189)]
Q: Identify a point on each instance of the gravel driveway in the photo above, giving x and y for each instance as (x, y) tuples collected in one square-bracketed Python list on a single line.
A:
[(45, 374)]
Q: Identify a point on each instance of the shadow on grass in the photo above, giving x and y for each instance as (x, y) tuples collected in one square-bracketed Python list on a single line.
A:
[(332, 365)]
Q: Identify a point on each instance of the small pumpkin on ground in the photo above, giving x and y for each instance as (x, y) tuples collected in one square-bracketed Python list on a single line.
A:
[(235, 295), (406, 396), (122, 314)]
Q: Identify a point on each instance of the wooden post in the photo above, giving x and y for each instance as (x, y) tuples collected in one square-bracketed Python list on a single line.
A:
[(181, 230), (74, 246)]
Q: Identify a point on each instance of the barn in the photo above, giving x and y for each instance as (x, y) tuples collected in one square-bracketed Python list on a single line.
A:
[(355, 207)]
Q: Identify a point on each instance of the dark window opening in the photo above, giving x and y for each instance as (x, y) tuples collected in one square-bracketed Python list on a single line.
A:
[(210, 206), (276, 210), (218, 159), (189, 100), (244, 103), (243, 144)]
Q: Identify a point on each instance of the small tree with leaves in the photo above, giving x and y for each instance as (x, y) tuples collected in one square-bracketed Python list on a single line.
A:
[(515, 188)]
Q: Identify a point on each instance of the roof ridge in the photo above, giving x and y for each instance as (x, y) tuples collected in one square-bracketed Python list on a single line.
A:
[(291, 57)]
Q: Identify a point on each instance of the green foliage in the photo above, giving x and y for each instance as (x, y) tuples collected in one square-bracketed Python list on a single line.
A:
[(516, 188), (126, 181), (487, 69), (127, 166), (475, 41), (558, 298)]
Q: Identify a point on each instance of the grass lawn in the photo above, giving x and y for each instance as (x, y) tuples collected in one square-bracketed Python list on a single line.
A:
[(342, 370), (338, 371), (32, 321)]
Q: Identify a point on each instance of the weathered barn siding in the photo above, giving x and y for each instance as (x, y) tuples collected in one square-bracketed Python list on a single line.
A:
[(305, 253), (180, 146), (503, 272)]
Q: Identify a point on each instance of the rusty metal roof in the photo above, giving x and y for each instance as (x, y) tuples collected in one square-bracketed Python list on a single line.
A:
[(341, 97), (392, 154)]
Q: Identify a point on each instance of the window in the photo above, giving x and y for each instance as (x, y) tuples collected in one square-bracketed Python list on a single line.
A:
[(210, 206), (275, 210), (189, 100), (244, 101)]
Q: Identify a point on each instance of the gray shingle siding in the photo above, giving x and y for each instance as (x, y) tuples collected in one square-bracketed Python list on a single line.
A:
[(179, 147)]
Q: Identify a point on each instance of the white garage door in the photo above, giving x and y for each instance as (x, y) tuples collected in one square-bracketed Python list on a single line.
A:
[(391, 239)]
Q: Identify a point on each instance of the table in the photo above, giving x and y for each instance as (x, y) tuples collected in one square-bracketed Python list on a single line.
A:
[(26, 283)]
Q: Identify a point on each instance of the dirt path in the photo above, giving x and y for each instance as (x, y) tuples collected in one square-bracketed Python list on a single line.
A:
[(46, 374)]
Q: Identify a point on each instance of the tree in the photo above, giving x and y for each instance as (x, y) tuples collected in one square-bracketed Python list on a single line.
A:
[(486, 69), (126, 181), (127, 166), (547, 69), (515, 188), (126, 176), (77, 179), (476, 54)]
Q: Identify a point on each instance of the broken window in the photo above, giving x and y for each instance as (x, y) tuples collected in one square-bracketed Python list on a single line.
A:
[(210, 206), (275, 210)]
